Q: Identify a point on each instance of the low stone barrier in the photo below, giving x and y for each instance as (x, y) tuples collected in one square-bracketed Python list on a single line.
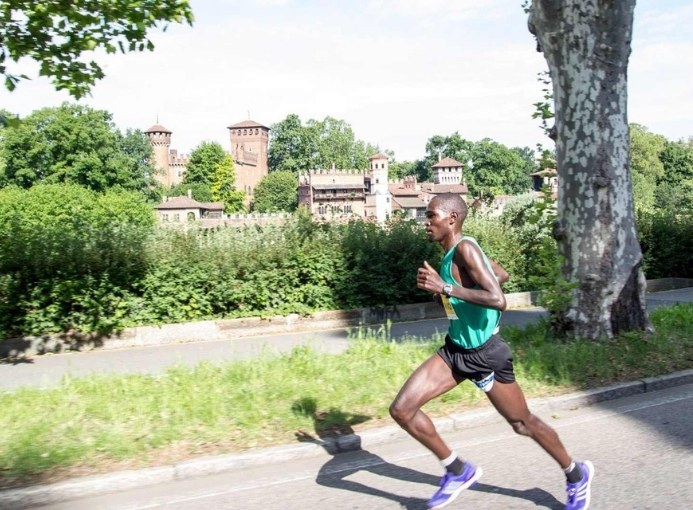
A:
[(255, 326)]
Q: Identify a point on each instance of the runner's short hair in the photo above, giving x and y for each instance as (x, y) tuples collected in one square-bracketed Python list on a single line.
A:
[(450, 202)]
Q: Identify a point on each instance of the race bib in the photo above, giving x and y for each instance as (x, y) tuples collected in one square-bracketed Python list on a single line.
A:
[(449, 310)]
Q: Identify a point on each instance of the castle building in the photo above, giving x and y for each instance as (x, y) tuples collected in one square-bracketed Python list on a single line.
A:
[(169, 165), (447, 171), (378, 201), (331, 194), (249, 150), (411, 198), (249, 146)]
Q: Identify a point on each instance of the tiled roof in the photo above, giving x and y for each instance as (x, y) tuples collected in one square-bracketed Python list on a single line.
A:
[(410, 202), (247, 124), (212, 206), (189, 203), (400, 191), (447, 163), (436, 189), (157, 128), (379, 155)]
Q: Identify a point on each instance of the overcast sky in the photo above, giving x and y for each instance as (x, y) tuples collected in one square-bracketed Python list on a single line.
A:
[(397, 71)]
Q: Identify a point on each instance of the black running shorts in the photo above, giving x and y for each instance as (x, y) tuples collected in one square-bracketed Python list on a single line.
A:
[(492, 360)]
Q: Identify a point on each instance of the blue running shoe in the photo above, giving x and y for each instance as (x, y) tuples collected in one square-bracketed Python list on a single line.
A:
[(579, 492), (451, 485)]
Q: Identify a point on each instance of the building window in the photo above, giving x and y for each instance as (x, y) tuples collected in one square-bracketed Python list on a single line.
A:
[(347, 209), (322, 209), (176, 217), (191, 216), (164, 217)]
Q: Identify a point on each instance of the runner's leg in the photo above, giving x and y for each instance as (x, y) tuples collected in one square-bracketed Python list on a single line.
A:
[(431, 379), (509, 401)]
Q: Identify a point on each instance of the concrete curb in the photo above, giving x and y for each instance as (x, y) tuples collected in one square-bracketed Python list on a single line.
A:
[(17, 499), (142, 336)]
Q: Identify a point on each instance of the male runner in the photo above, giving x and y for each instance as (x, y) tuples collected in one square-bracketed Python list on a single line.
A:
[(469, 288)]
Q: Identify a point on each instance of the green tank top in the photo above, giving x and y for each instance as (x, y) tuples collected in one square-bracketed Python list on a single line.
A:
[(471, 325)]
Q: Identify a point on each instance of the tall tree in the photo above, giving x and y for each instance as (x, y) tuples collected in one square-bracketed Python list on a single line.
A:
[(277, 191), (498, 170), (62, 36), (203, 163), (75, 144), (490, 168), (438, 147), (646, 165), (295, 147), (675, 187), (586, 44), (222, 187)]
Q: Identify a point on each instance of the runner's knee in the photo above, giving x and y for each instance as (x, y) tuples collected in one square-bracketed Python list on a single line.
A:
[(520, 427), (401, 412), (527, 426), (397, 412)]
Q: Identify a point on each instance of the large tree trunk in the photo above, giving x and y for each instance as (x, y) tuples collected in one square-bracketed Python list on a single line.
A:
[(586, 44)]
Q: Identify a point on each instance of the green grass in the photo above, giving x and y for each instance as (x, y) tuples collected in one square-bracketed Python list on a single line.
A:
[(97, 423)]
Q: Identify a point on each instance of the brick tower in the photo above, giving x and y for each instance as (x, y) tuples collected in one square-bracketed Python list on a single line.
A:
[(160, 140), (249, 143)]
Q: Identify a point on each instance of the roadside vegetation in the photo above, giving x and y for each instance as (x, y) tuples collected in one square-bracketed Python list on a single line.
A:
[(107, 422), (76, 261)]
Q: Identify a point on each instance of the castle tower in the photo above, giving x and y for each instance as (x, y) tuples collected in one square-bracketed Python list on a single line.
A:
[(379, 186), (160, 140), (447, 171), (249, 144)]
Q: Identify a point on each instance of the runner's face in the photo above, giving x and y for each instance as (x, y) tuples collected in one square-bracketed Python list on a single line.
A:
[(437, 222)]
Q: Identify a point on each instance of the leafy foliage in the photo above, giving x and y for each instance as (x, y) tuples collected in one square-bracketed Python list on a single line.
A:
[(60, 36), (199, 191), (666, 239), (497, 170), (68, 257), (490, 168), (677, 160), (317, 144), (223, 189), (203, 163), (646, 165), (276, 192), (75, 144)]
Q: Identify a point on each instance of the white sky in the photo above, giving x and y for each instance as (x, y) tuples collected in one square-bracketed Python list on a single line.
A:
[(397, 71)]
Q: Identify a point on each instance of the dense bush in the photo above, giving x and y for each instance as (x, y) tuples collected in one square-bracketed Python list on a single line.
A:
[(72, 259), (68, 257), (667, 244)]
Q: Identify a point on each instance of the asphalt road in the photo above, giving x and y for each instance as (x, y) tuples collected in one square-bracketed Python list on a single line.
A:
[(48, 370), (641, 446)]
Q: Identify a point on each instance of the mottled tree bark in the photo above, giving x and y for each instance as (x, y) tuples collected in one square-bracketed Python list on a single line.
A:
[(586, 44)]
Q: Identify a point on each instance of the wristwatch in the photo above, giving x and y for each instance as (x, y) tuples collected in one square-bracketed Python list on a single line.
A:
[(447, 289)]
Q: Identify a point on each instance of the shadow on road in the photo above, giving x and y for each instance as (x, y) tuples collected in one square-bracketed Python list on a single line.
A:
[(539, 497), (351, 459)]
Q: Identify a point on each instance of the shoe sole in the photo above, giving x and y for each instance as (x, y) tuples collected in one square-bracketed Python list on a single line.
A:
[(590, 476), (466, 485)]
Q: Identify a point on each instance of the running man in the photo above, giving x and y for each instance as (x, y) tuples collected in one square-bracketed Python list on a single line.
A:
[(469, 287)]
